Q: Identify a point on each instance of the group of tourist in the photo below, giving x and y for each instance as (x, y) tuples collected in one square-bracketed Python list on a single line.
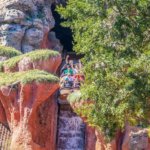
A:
[(71, 75)]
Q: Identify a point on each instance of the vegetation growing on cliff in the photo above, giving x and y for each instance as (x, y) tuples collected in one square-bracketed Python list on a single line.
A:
[(114, 36), (27, 77), (34, 55), (74, 97), (9, 51)]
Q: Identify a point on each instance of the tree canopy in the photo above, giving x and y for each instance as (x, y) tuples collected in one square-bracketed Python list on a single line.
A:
[(114, 37)]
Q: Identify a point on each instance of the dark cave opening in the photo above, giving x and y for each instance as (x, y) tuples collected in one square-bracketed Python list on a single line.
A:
[(62, 33)]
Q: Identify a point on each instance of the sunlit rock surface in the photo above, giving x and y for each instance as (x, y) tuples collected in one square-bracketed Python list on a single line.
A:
[(135, 139), (31, 109), (27, 120), (25, 24), (50, 64)]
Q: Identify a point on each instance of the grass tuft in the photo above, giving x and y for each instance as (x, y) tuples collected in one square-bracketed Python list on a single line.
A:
[(27, 77), (34, 55), (9, 51)]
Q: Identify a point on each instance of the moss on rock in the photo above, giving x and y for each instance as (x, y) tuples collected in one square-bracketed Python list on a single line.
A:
[(27, 77), (9, 51), (34, 55)]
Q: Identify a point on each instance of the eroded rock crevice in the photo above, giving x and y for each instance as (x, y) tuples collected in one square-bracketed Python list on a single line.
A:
[(62, 33)]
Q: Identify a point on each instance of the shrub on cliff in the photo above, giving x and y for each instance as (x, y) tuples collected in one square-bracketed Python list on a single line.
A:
[(114, 38), (74, 97)]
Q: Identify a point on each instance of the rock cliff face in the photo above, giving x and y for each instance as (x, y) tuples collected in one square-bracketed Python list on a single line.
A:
[(22, 108), (2, 114), (25, 24), (30, 108), (135, 138), (28, 62)]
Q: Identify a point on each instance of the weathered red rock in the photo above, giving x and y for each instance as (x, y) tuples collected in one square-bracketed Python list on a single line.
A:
[(2, 114), (50, 41), (23, 107), (90, 138), (96, 141), (45, 42), (50, 65), (135, 138)]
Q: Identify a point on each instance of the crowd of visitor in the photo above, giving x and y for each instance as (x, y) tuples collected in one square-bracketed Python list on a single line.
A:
[(71, 75)]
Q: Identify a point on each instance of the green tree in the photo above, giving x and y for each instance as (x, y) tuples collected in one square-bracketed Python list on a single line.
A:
[(114, 36)]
